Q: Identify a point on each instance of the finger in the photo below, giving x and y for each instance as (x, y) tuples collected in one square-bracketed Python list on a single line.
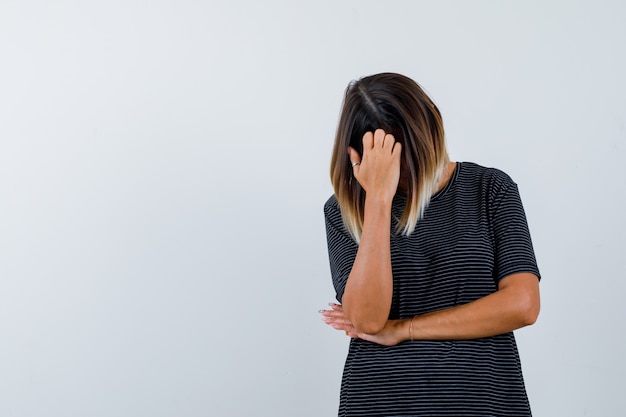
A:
[(332, 314), (336, 306), (389, 142), (347, 328), (397, 150), (368, 141), (338, 324), (355, 158), (379, 138), (339, 321), (352, 332), (335, 312)]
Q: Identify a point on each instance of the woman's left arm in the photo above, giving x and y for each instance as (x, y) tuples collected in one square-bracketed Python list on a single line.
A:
[(514, 305)]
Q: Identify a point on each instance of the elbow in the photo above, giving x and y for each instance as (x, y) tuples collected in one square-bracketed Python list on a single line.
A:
[(531, 315), (528, 311), (368, 323), (367, 318), (523, 299), (371, 327)]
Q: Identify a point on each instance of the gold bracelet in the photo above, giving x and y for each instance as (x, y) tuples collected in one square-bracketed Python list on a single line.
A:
[(411, 328)]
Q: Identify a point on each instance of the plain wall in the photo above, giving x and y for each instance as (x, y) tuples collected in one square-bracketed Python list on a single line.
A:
[(163, 167)]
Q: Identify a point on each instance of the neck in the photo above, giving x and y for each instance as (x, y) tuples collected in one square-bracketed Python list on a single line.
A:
[(446, 175)]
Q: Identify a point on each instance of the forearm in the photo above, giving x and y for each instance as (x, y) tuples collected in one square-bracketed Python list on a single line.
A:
[(510, 308), (368, 293)]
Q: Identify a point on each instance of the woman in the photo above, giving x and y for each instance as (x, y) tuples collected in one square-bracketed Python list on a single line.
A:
[(431, 260)]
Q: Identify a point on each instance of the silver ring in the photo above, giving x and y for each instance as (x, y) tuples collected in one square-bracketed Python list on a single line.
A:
[(355, 164)]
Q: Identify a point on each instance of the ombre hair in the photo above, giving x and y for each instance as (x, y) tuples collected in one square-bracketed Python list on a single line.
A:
[(399, 106)]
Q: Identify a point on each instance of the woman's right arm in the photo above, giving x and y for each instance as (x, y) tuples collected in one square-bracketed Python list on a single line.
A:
[(367, 296)]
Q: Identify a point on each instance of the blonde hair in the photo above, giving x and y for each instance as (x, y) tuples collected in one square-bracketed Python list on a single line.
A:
[(398, 105)]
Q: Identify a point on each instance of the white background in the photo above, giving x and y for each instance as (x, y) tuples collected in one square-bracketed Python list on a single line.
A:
[(163, 167)]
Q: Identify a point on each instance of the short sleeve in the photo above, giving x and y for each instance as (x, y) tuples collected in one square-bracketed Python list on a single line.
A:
[(342, 248), (513, 246)]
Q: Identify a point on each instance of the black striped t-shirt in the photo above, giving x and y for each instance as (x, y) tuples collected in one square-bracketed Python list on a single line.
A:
[(473, 234)]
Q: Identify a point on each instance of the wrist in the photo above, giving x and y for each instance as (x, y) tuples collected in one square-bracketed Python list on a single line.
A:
[(411, 333), (402, 328), (382, 200), (377, 209)]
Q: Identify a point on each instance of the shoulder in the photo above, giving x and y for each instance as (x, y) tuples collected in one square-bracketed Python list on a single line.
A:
[(335, 227), (489, 180), (485, 174), (331, 205), (332, 211), (495, 188)]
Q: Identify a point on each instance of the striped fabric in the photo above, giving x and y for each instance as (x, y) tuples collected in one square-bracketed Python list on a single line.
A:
[(473, 234)]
